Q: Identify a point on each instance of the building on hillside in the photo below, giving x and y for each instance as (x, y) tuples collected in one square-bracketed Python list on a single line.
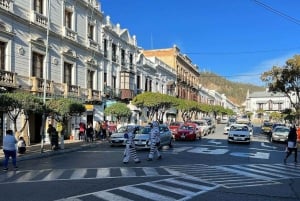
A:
[(188, 75), (262, 103)]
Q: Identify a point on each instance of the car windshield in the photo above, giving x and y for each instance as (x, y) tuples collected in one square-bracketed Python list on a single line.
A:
[(185, 127), (122, 129), (268, 124), (239, 128), (282, 130), (144, 130)]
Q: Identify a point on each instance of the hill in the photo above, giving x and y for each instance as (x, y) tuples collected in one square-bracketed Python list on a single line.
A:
[(234, 91)]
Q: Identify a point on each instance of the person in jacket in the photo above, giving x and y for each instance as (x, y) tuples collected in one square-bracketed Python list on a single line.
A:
[(292, 144), (53, 137), (154, 141), (130, 150), (21, 145), (9, 149)]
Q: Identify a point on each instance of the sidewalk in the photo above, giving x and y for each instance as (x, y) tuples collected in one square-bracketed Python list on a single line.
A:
[(34, 151)]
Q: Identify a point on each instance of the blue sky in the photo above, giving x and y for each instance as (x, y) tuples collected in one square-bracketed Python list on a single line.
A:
[(236, 39)]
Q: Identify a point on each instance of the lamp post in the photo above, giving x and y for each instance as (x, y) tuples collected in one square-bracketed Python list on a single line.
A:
[(45, 80)]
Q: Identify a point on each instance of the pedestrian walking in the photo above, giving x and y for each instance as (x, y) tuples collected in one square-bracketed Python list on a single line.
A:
[(130, 150), (98, 130), (9, 149), (89, 133), (292, 144), (82, 129), (53, 137), (154, 141)]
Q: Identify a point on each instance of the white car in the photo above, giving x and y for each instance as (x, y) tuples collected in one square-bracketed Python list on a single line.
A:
[(239, 133), (202, 126), (227, 128)]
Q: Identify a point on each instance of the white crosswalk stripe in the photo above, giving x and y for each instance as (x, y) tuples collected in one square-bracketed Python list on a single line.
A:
[(171, 189), (231, 176), (81, 173)]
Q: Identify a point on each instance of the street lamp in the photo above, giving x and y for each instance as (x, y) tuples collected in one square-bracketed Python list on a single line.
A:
[(45, 80)]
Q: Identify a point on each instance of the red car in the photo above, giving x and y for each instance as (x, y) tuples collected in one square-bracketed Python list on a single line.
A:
[(186, 132), (174, 127)]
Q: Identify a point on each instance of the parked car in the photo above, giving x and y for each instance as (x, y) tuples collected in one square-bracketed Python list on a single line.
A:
[(142, 137), (298, 134), (280, 133), (187, 132), (211, 124), (239, 133), (174, 127), (202, 127), (117, 138), (227, 128)]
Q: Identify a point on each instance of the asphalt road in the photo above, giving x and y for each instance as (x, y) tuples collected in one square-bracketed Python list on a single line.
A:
[(208, 169)]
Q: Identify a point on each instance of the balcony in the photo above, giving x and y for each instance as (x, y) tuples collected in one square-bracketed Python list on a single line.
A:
[(71, 90), (40, 19), (8, 79), (37, 85), (94, 95), (69, 33), (126, 94), (6, 5), (93, 44)]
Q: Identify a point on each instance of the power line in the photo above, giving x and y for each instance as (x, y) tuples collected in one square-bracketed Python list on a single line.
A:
[(292, 19)]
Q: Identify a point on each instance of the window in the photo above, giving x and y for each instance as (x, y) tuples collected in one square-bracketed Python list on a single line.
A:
[(38, 6), (114, 82), (131, 61), (105, 47), (123, 57), (37, 65), (2, 55), (91, 31), (68, 19), (67, 73), (114, 52), (138, 82), (90, 79), (105, 78)]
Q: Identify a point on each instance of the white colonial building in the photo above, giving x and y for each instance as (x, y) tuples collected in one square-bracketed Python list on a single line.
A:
[(265, 101)]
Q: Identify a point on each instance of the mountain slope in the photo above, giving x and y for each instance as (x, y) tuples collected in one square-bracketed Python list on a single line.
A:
[(234, 91)]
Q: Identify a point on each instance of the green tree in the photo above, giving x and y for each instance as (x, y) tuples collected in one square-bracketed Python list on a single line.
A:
[(286, 79), (118, 110), (19, 103), (63, 109), (156, 103)]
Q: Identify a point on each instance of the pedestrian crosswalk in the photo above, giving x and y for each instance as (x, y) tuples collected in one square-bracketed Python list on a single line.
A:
[(81, 173), (171, 189), (233, 176)]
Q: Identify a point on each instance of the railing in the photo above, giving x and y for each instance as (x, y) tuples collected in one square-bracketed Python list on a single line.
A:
[(5, 4), (38, 85), (69, 33), (7, 78), (93, 44), (40, 19)]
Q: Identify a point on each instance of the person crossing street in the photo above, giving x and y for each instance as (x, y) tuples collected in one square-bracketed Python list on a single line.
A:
[(130, 150), (154, 141)]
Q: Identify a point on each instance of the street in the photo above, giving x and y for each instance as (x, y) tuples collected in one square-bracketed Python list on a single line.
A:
[(207, 169)]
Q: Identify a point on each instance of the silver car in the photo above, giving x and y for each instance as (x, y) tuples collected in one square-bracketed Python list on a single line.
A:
[(142, 137), (280, 133), (117, 138)]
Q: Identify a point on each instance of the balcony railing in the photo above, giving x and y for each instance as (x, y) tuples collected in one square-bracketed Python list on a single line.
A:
[(94, 95), (93, 44), (37, 85), (6, 5), (40, 19), (69, 33), (7, 78)]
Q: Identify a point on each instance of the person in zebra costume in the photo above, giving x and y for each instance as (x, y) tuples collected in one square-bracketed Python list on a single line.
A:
[(154, 141), (130, 150)]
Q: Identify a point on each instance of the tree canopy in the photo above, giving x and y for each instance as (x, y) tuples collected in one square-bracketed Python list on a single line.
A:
[(118, 110), (285, 79)]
